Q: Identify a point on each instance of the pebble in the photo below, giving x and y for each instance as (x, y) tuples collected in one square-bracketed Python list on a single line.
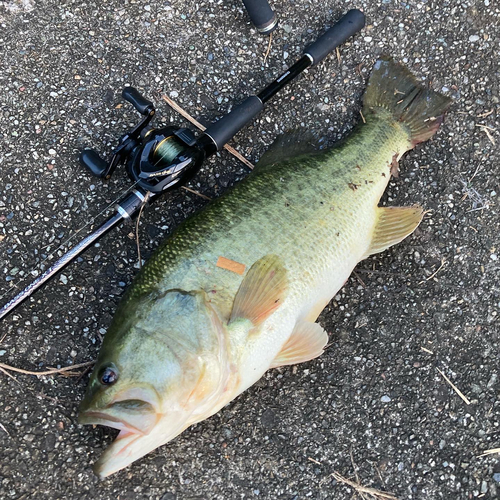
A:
[(385, 399), (492, 381)]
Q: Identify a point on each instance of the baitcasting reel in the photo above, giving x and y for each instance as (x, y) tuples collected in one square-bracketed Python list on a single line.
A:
[(156, 159)]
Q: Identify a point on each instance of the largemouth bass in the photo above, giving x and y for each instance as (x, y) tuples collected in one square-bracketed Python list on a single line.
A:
[(237, 288)]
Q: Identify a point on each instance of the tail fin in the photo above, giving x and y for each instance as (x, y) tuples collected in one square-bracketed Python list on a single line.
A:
[(392, 87)]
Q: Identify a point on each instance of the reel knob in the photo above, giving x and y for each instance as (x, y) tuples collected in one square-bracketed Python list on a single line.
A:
[(139, 102), (90, 159)]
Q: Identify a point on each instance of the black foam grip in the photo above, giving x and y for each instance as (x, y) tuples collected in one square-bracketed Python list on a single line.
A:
[(346, 27), (261, 14), (139, 102), (223, 130)]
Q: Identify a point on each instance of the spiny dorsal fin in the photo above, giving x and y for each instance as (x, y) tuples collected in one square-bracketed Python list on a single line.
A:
[(394, 225), (287, 146), (262, 290), (306, 342)]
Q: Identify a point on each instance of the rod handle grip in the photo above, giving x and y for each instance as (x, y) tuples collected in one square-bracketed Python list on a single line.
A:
[(139, 102), (348, 25), (262, 15), (229, 125)]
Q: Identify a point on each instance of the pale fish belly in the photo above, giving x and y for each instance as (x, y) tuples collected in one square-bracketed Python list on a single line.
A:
[(312, 286)]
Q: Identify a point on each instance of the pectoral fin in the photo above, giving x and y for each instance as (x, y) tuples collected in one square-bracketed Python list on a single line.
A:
[(306, 342), (394, 225), (261, 292)]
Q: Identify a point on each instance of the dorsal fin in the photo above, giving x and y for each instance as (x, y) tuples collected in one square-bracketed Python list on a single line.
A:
[(289, 145)]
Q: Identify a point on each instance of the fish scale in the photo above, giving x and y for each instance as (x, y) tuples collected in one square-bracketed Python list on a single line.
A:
[(189, 336)]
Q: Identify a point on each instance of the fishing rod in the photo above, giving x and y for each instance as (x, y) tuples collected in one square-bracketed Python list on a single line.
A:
[(261, 15), (158, 160)]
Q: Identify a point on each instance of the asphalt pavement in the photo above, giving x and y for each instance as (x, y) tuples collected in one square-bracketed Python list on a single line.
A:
[(376, 407)]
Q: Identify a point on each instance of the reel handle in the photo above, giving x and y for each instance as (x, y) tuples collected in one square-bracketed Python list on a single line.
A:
[(139, 102), (347, 26), (99, 167)]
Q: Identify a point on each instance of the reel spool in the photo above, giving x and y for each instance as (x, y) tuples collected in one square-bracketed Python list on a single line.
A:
[(167, 157)]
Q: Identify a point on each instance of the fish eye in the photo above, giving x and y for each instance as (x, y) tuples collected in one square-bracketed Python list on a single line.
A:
[(108, 375)]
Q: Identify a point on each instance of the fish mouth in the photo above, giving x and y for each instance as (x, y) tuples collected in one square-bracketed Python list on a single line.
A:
[(101, 418), (119, 454), (131, 416), (133, 441), (133, 426), (91, 417), (135, 409)]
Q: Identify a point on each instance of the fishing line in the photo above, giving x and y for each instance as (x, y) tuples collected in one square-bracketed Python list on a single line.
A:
[(66, 242)]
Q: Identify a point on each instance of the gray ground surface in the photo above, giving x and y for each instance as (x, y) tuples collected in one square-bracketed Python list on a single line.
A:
[(376, 391)]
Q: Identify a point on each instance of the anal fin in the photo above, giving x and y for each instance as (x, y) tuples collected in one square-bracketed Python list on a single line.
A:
[(306, 342), (394, 224)]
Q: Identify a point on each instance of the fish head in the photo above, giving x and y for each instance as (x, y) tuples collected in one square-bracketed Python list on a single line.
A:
[(160, 370)]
